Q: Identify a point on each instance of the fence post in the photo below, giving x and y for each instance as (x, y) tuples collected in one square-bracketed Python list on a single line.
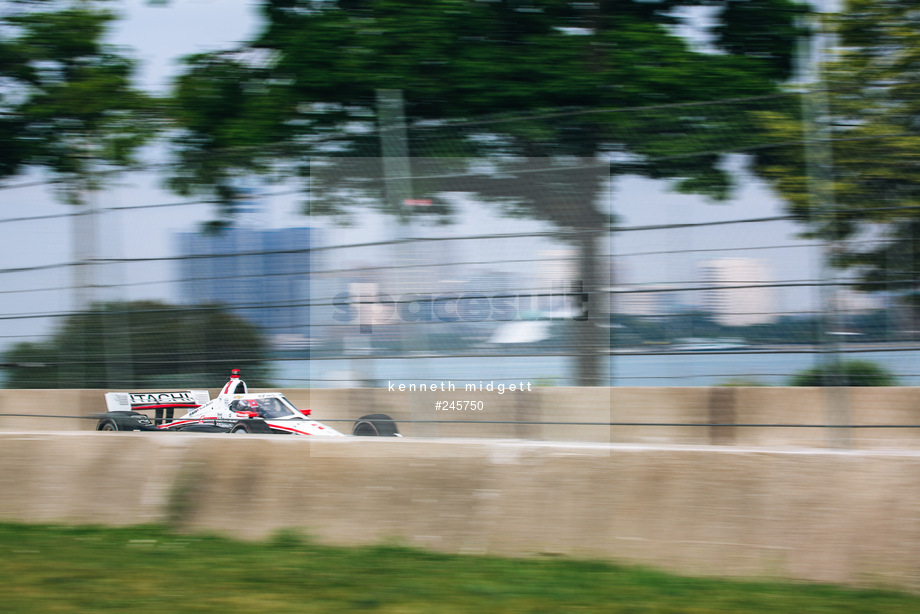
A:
[(819, 174)]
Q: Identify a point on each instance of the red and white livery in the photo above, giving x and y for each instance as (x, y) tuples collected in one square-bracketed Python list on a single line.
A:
[(235, 410)]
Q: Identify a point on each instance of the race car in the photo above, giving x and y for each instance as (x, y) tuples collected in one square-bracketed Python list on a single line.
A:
[(235, 410)]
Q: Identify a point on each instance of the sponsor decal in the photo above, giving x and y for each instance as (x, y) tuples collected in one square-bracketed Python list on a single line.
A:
[(163, 398)]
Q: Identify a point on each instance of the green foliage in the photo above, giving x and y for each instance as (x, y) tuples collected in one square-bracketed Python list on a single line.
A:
[(761, 29), (845, 373), (67, 103), (309, 86), (867, 184), (141, 344)]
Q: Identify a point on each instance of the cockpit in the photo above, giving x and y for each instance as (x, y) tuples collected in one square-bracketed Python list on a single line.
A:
[(270, 408)]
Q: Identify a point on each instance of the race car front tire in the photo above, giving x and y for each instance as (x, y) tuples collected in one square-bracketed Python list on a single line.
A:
[(250, 426), (375, 425)]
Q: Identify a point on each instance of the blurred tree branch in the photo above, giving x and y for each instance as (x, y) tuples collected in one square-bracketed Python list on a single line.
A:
[(67, 104), (307, 85), (872, 134)]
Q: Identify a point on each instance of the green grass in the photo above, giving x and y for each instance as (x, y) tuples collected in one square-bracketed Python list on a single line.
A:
[(53, 569)]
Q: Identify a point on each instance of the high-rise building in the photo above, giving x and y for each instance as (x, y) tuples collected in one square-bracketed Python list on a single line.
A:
[(260, 275), (646, 299), (737, 291), (558, 288)]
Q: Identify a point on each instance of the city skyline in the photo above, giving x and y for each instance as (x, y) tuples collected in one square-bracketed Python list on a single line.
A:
[(261, 275)]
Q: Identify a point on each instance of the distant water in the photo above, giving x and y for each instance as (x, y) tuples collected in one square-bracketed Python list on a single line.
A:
[(694, 369)]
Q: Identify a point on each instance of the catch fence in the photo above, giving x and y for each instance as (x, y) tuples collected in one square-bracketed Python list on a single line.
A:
[(555, 270)]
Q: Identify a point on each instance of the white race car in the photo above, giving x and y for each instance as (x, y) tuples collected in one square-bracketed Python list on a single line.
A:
[(235, 410)]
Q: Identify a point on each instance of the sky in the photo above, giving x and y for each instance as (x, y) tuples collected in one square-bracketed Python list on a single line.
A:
[(158, 36), (161, 34)]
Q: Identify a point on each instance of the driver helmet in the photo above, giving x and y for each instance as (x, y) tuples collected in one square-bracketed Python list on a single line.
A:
[(241, 405)]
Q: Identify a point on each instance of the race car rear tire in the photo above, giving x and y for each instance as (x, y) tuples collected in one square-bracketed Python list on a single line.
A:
[(107, 425), (124, 421), (240, 428), (375, 425)]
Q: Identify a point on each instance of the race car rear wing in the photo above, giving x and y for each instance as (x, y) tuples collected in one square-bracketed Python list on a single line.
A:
[(163, 403)]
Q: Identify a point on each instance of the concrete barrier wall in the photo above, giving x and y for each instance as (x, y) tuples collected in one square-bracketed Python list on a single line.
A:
[(517, 414), (820, 515)]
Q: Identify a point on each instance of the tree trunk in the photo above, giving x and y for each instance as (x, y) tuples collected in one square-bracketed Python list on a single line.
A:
[(590, 338)]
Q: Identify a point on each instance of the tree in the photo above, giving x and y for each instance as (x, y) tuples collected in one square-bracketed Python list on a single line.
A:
[(867, 184), (142, 344), (845, 373), (67, 104), (309, 84)]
